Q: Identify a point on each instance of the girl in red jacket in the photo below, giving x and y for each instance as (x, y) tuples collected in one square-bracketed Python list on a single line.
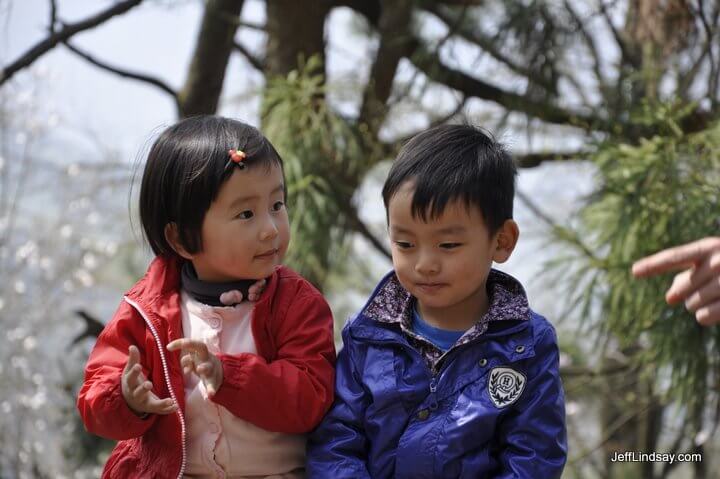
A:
[(219, 359)]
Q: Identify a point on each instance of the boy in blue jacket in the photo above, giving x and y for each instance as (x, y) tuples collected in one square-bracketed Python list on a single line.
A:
[(446, 372)]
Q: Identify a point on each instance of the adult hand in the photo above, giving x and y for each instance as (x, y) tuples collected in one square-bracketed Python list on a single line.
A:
[(196, 358), (137, 390), (698, 285)]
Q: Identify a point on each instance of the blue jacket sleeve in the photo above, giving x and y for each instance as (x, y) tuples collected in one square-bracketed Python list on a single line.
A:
[(338, 447), (533, 440)]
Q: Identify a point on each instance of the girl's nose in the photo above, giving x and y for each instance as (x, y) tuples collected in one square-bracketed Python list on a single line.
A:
[(269, 230)]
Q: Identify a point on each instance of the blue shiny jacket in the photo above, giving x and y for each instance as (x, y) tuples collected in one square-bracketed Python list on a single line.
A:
[(493, 409)]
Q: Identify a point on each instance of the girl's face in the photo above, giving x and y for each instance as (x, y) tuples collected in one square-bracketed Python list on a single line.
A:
[(245, 233)]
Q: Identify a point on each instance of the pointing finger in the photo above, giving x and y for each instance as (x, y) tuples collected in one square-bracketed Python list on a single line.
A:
[(673, 259)]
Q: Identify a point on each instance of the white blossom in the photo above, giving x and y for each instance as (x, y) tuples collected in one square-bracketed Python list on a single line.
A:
[(25, 250), (29, 343), (73, 169), (84, 277), (66, 231), (90, 261)]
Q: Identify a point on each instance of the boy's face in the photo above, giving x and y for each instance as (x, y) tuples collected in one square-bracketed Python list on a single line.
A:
[(445, 262), (245, 233)]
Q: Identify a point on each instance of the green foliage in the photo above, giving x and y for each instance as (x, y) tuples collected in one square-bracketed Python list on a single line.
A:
[(661, 192), (325, 158)]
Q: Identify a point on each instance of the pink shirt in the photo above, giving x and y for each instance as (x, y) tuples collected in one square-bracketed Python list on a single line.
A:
[(219, 444)]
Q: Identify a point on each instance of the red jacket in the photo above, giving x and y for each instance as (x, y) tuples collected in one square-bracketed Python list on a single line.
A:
[(286, 387)]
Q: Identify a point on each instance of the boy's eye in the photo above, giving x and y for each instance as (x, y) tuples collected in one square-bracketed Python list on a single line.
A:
[(450, 245), (403, 244), (245, 215), (278, 205)]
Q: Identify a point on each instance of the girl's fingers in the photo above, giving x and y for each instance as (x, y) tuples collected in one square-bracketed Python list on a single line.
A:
[(193, 345), (187, 363), (156, 405), (141, 391), (205, 369), (133, 376), (133, 358)]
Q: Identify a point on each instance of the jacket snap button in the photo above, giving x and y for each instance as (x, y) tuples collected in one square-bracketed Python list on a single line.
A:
[(482, 362), (422, 415), (520, 349)]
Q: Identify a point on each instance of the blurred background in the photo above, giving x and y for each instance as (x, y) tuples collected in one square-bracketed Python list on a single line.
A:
[(610, 108)]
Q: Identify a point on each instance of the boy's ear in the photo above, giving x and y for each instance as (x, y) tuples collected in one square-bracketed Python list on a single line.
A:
[(173, 238), (505, 240)]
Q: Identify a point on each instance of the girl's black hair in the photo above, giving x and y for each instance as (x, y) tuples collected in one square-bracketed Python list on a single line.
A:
[(455, 162), (184, 171)]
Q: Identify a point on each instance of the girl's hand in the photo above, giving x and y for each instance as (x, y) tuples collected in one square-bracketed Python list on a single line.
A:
[(137, 390), (196, 358), (234, 296)]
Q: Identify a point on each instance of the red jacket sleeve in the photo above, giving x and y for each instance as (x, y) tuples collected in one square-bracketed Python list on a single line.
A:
[(292, 393), (102, 407)]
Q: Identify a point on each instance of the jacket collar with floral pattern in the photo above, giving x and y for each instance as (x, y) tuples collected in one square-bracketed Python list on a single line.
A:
[(393, 304)]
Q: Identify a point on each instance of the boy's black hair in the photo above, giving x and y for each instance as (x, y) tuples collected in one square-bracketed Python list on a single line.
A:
[(185, 170), (455, 162)]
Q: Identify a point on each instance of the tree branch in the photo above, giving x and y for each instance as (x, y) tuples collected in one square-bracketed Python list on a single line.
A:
[(395, 43), (214, 44), (356, 223), (532, 160), (590, 42), (256, 62), (63, 35), (125, 73), (629, 56), (53, 16), (370, 9), (437, 71), (252, 26), (474, 35)]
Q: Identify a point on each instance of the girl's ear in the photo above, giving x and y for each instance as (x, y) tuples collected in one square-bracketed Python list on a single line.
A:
[(505, 240), (173, 238)]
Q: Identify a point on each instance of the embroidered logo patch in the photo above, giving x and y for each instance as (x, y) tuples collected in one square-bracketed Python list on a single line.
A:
[(505, 386)]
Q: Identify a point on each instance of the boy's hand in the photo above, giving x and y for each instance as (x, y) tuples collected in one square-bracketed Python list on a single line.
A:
[(196, 358), (137, 390)]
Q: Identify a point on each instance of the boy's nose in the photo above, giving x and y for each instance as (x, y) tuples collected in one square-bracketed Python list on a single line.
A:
[(427, 266)]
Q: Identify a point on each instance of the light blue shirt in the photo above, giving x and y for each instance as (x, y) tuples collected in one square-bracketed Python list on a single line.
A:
[(442, 338)]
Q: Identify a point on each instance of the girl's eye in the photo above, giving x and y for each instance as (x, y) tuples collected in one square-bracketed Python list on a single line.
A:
[(278, 205), (245, 215), (403, 244), (450, 245)]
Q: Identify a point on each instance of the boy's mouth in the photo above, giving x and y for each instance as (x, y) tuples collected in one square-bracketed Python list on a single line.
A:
[(430, 287)]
